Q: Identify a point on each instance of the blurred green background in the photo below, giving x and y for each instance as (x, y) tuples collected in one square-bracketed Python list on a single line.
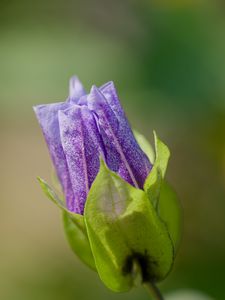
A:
[(167, 60)]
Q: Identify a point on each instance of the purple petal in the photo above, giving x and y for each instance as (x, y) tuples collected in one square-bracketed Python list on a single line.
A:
[(110, 93), (81, 143), (82, 100), (47, 116), (130, 161), (112, 155), (76, 89)]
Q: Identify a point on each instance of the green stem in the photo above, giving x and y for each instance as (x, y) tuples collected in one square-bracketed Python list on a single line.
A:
[(153, 291)]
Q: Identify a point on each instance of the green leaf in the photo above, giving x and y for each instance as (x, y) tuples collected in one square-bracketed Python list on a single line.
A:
[(145, 145), (169, 210), (154, 180), (74, 227), (124, 228)]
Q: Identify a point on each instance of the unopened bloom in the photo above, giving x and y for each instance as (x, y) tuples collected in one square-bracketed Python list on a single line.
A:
[(120, 217), (81, 130)]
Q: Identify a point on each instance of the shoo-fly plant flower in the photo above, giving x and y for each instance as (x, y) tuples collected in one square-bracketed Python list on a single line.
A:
[(83, 129), (120, 216)]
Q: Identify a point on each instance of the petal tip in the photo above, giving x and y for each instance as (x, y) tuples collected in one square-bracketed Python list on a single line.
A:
[(94, 89), (96, 92), (37, 111), (76, 89)]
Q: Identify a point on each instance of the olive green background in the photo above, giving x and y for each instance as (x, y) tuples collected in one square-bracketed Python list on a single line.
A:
[(167, 61)]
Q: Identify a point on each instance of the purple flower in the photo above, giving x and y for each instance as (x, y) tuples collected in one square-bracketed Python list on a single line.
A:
[(83, 128)]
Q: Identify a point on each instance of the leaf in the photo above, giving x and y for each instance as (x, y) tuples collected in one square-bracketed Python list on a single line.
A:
[(154, 180), (74, 227), (169, 210), (145, 145), (123, 228)]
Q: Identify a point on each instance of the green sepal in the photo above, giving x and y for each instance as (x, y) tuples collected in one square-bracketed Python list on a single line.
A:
[(123, 227), (74, 227), (169, 210), (167, 204), (155, 178), (48, 191), (145, 145), (76, 234)]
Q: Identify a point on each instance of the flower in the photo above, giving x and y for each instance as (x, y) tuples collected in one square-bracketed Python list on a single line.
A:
[(81, 130)]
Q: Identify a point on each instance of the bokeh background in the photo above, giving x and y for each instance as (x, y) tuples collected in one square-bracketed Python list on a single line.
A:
[(167, 59)]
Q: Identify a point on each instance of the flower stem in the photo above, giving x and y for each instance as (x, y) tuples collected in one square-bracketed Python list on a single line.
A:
[(153, 291)]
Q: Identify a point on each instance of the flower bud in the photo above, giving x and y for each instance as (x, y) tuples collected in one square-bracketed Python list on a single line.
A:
[(120, 216)]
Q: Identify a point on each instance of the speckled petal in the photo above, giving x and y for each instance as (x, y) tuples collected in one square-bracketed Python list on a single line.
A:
[(81, 143), (129, 161), (110, 93), (76, 89), (102, 112), (47, 116)]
